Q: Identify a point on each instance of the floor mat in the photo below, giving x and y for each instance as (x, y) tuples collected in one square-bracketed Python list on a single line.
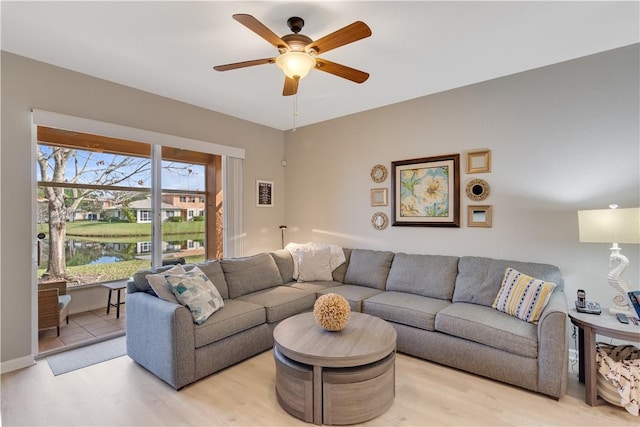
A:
[(86, 356)]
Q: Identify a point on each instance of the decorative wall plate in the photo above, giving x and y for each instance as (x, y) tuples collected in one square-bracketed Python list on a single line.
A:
[(379, 173), (379, 220), (477, 189)]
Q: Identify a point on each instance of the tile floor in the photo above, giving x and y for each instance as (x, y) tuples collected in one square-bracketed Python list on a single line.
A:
[(83, 328)]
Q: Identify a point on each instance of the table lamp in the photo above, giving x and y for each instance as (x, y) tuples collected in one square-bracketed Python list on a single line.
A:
[(613, 226)]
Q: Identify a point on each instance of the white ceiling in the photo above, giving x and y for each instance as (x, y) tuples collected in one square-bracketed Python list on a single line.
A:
[(417, 48)]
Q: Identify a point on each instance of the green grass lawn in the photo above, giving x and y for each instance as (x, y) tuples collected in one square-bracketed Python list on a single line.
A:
[(121, 229)]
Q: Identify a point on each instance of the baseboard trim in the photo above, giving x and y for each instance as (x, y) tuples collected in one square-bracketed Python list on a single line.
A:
[(15, 364)]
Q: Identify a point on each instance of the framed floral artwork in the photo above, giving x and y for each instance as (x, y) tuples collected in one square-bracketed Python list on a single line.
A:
[(426, 191)]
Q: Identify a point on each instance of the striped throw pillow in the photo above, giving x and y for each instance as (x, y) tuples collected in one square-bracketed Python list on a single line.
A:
[(523, 296)]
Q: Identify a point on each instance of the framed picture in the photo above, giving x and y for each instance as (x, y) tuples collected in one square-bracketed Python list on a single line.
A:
[(264, 194), (479, 161), (479, 216), (379, 197), (426, 192)]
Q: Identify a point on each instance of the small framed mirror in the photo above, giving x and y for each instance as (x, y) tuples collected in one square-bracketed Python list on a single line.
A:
[(379, 220), (477, 189), (379, 173)]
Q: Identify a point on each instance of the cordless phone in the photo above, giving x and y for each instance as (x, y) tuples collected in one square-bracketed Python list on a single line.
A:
[(584, 306)]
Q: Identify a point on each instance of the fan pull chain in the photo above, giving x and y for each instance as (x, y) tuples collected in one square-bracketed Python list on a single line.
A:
[(295, 111)]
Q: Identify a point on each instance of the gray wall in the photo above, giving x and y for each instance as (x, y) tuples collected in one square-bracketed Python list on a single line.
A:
[(28, 84), (562, 138)]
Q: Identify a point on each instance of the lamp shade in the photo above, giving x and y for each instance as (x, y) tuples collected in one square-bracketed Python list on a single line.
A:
[(610, 225), (296, 64)]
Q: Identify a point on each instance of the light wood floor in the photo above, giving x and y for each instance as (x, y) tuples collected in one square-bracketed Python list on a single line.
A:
[(120, 392)]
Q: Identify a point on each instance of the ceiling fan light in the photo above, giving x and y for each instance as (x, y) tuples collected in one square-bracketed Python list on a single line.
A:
[(296, 64)]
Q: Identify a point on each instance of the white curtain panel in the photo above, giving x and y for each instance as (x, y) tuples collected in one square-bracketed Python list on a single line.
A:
[(232, 196)]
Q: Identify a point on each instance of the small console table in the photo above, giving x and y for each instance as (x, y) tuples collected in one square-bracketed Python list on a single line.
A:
[(344, 377), (589, 326)]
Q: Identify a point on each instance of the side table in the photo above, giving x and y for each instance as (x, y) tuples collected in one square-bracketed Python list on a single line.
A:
[(589, 326), (115, 286)]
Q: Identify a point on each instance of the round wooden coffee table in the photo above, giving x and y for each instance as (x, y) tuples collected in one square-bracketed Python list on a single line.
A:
[(343, 377)]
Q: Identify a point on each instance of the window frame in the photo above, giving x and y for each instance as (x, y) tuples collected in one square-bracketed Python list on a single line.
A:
[(212, 164)]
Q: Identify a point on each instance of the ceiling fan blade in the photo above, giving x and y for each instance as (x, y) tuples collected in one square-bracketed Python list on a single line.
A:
[(341, 71), (349, 34), (260, 29), (290, 86), (243, 64)]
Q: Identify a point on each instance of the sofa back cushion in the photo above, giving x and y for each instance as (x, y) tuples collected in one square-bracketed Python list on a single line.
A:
[(369, 268), (250, 274), (140, 282), (284, 261), (479, 279), (427, 275), (338, 273), (213, 270)]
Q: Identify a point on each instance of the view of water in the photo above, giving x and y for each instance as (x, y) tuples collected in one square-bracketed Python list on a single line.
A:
[(106, 260), (83, 252)]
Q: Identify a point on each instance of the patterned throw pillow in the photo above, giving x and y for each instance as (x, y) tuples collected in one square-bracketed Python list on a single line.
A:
[(195, 291), (523, 296)]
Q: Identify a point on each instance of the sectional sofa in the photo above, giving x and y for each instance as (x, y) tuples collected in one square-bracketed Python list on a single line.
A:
[(440, 307)]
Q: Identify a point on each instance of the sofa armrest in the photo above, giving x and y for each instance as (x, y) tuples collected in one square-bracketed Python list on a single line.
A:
[(160, 337), (553, 347)]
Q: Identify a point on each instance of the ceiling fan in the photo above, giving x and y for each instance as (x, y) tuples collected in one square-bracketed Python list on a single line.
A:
[(299, 53)]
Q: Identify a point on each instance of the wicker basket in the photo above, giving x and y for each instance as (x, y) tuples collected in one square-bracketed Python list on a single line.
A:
[(615, 355), (607, 391)]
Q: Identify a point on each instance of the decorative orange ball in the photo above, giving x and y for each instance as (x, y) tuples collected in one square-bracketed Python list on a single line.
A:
[(332, 312)]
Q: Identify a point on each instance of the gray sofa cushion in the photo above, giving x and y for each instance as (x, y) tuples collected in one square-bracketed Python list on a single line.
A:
[(427, 275), (315, 286), (284, 261), (404, 308), (281, 302), (353, 293), (368, 268), (479, 279), (250, 274), (340, 271), (236, 316), (490, 327), (139, 279), (214, 272)]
